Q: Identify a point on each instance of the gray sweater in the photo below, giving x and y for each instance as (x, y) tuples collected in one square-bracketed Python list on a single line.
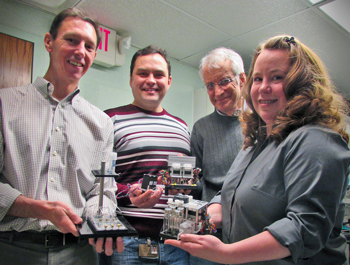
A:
[(215, 141)]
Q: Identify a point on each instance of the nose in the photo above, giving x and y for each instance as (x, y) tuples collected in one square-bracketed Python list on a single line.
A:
[(265, 87), (150, 79), (80, 50), (218, 90)]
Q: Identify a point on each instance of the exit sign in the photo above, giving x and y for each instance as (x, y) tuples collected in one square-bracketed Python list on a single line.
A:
[(107, 52)]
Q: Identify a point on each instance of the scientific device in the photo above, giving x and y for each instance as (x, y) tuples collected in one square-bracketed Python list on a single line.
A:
[(185, 215), (106, 222), (181, 173)]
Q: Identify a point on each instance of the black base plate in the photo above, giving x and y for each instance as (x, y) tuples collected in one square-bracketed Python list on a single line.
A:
[(86, 231), (163, 236)]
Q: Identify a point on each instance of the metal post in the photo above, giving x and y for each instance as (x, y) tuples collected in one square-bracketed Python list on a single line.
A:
[(100, 202)]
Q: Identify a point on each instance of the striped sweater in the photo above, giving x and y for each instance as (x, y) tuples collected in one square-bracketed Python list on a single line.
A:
[(143, 141)]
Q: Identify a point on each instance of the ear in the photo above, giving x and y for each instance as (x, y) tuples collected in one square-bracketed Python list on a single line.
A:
[(48, 42), (169, 80), (242, 79)]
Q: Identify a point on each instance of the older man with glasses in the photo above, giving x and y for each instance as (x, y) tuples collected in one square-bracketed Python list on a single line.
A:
[(217, 137)]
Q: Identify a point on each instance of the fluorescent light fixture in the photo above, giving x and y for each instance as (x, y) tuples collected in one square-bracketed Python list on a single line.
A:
[(338, 10), (53, 6), (45, 3), (314, 2), (50, 3)]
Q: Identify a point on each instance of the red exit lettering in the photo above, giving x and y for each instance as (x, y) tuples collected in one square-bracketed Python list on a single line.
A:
[(105, 38)]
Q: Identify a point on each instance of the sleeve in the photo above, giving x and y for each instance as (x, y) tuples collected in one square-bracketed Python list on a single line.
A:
[(197, 145), (109, 197), (7, 194), (315, 177), (216, 198), (122, 197)]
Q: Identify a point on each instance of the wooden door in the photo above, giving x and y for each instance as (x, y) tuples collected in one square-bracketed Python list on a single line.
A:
[(16, 61)]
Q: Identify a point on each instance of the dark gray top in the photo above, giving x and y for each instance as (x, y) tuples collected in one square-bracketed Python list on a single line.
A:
[(294, 190), (215, 142)]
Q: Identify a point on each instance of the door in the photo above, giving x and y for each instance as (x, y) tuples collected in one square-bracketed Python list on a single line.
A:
[(16, 61)]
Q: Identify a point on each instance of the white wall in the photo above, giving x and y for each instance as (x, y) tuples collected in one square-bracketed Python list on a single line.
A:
[(201, 104), (103, 87)]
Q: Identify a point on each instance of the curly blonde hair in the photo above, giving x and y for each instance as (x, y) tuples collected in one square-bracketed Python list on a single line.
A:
[(311, 96)]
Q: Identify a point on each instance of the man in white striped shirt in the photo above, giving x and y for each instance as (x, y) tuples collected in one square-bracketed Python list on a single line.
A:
[(51, 138)]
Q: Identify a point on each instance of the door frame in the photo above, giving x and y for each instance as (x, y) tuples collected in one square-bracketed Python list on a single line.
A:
[(40, 55)]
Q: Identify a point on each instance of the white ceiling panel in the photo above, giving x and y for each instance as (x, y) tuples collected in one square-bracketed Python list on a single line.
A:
[(233, 44), (53, 6), (236, 17), (156, 23)]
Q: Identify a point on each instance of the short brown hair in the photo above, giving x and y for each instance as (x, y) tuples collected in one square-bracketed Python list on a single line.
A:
[(74, 12), (150, 50)]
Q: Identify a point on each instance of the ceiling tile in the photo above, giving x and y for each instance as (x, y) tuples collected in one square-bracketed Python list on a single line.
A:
[(153, 22), (233, 44), (239, 16)]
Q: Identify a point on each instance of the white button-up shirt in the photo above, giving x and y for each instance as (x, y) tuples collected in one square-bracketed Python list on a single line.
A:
[(47, 151)]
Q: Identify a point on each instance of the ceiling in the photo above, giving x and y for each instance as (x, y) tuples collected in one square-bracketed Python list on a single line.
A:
[(189, 29)]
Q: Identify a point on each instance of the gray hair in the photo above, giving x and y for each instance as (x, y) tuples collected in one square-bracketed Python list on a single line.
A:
[(220, 54)]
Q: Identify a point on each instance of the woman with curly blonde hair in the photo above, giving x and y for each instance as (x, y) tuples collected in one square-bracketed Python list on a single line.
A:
[(281, 202)]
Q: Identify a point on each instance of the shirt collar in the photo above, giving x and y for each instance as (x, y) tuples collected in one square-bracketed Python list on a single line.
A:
[(46, 89), (237, 113)]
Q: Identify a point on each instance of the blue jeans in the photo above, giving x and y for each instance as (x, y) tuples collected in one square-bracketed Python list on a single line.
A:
[(168, 255)]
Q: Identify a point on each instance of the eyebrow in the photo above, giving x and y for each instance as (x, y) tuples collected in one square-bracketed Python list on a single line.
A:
[(272, 71), (220, 79), (147, 70), (73, 34)]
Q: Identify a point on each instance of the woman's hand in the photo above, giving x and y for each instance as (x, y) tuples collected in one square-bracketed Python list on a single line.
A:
[(215, 212), (200, 246)]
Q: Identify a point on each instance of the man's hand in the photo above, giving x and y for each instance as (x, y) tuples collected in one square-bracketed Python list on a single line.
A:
[(147, 199), (107, 245), (177, 191), (58, 213)]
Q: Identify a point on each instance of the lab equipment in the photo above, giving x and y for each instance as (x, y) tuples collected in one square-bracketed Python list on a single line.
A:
[(105, 222), (184, 215), (181, 173)]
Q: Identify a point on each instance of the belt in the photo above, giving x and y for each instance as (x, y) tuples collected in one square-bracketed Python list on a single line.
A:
[(50, 239)]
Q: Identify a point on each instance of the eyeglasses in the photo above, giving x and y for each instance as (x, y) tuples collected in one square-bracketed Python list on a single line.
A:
[(222, 83)]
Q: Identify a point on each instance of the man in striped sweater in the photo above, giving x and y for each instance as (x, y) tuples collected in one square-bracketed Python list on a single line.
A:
[(145, 134)]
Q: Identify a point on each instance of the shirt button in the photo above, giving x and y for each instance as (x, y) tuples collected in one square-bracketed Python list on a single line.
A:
[(51, 179), (54, 153), (59, 107), (57, 129)]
